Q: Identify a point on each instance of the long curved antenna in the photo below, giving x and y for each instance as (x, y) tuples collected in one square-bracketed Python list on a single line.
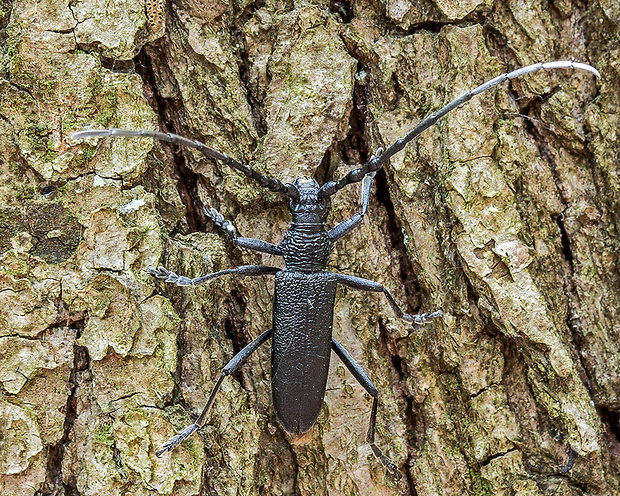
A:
[(375, 163), (265, 181)]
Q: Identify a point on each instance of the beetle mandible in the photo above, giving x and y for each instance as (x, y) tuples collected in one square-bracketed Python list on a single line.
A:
[(304, 292)]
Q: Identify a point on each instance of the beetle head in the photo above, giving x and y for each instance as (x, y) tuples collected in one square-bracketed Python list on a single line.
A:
[(308, 208)]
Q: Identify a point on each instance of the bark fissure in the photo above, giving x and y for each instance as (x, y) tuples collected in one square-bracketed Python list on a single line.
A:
[(341, 8), (413, 426), (611, 418), (256, 104), (170, 120), (57, 483), (355, 149), (571, 275), (565, 241)]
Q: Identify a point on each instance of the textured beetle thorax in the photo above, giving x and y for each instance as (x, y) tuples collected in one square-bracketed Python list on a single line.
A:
[(305, 250), (306, 245)]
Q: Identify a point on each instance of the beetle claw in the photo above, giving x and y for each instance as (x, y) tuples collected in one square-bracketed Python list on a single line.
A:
[(395, 472), (391, 466), (425, 318)]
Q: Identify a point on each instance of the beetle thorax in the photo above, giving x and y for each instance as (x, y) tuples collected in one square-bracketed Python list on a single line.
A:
[(306, 245)]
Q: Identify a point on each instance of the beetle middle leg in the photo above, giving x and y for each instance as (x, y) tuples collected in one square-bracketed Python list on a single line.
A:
[(237, 361), (371, 389), (243, 270), (368, 285)]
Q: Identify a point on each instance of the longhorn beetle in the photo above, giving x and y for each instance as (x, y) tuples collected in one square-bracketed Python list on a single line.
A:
[(303, 302)]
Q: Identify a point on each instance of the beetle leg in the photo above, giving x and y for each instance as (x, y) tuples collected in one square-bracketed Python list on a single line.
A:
[(571, 459), (243, 270), (371, 389), (346, 226), (368, 285), (237, 361), (249, 243)]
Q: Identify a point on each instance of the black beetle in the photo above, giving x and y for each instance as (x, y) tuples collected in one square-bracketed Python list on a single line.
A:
[(304, 291)]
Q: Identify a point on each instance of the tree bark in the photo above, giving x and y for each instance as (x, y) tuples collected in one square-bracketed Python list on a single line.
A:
[(504, 215)]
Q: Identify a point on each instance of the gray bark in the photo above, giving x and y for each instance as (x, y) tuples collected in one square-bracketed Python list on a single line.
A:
[(505, 215)]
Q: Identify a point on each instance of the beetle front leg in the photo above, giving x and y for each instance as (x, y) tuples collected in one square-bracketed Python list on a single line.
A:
[(237, 361), (345, 227), (368, 285), (371, 389), (249, 243)]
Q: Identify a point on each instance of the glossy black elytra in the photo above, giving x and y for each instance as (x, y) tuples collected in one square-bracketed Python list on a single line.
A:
[(304, 290)]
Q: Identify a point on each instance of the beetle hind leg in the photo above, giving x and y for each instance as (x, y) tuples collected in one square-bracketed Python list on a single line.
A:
[(370, 439), (237, 361), (176, 440), (371, 389)]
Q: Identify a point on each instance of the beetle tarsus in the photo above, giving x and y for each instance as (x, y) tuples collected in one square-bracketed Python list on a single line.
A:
[(424, 318), (387, 463), (162, 273), (571, 459), (176, 440), (219, 221)]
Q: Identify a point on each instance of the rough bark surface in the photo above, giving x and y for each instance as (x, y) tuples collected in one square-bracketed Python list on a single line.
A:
[(505, 215)]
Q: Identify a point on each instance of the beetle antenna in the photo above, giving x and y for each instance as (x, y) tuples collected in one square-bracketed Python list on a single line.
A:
[(376, 162), (265, 181)]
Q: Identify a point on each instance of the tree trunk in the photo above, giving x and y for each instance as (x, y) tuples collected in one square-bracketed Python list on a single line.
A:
[(504, 215)]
